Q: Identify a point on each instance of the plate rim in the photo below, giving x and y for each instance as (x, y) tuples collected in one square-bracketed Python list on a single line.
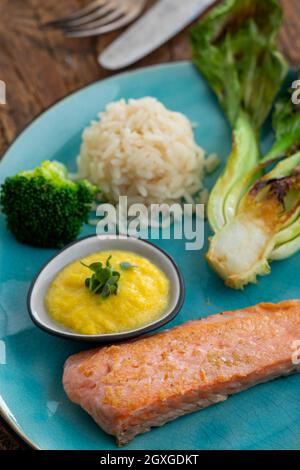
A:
[(164, 65), (14, 429), (147, 68)]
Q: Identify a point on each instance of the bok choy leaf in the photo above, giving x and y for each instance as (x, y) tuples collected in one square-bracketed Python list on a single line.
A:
[(266, 223), (254, 208), (286, 124), (234, 47)]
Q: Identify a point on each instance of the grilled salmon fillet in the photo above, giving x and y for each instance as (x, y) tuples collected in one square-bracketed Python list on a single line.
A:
[(130, 387)]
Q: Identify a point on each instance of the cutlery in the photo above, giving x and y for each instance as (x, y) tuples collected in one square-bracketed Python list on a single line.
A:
[(99, 17), (163, 21)]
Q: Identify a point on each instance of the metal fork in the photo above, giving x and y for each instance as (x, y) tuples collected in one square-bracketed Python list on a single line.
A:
[(99, 17)]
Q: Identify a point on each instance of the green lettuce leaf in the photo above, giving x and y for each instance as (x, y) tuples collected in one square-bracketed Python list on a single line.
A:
[(235, 48)]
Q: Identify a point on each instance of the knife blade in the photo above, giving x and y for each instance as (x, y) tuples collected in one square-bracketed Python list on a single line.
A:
[(163, 21)]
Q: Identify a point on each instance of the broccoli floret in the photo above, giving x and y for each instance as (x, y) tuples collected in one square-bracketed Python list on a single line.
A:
[(43, 207)]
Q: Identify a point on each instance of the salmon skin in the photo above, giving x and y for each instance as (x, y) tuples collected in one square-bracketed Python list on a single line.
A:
[(131, 387)]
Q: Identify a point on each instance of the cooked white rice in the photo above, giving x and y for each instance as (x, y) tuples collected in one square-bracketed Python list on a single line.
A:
[(142, 150)]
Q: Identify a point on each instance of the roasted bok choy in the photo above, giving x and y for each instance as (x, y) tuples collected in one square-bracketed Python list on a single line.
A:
[(234, 47), (254, 207), (266, 226), (266, 223)]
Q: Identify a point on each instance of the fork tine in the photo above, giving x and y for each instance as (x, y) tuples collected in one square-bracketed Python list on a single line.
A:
[(95, 5), (123, 21), (111, 16), (89, 18)]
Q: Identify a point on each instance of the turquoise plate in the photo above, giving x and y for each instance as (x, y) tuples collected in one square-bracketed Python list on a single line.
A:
[(31, 395)]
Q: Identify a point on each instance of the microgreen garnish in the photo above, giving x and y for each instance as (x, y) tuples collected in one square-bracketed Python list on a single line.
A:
[(104, 280)]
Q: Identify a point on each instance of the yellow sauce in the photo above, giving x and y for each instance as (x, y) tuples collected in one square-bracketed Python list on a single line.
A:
[(143, 296)]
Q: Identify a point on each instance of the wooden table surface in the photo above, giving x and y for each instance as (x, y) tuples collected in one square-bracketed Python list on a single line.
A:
[(40, 67)]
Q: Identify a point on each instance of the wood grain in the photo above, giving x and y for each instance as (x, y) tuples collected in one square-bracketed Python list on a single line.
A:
[(40, 67)]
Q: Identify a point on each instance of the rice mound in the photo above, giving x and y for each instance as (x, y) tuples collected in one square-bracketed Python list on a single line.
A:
[(142, 150)]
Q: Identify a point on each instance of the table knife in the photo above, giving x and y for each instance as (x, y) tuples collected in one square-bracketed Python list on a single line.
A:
[(163, 21)]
